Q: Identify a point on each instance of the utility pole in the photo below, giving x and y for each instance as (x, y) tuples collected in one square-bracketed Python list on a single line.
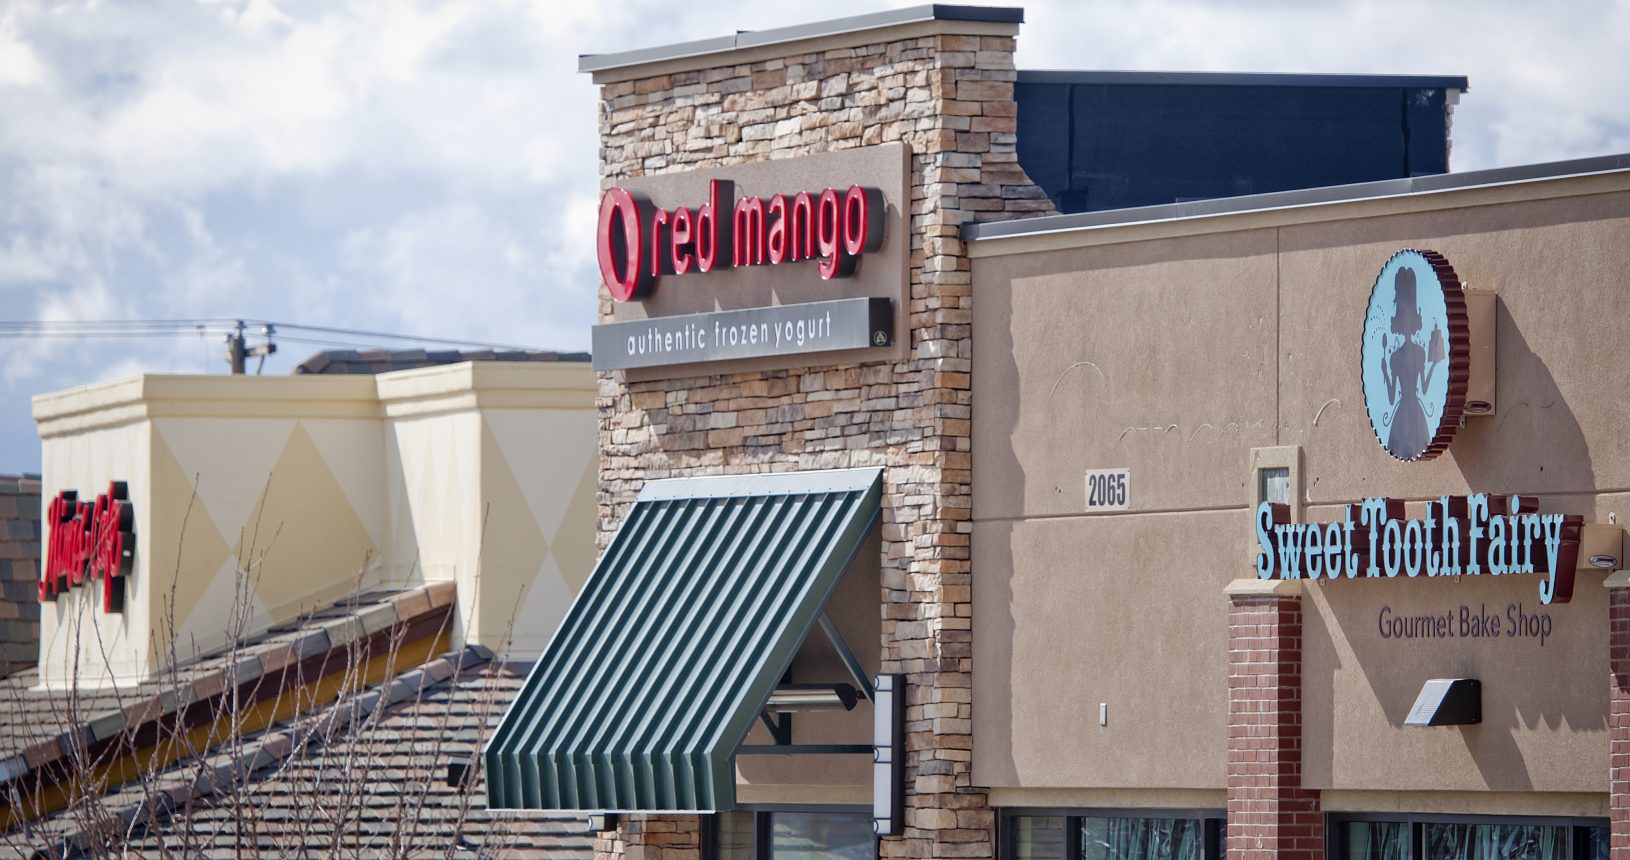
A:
[(238, 349)]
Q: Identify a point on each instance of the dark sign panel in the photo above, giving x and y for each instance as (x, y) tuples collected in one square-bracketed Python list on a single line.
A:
[(715, 270), (782, 330)]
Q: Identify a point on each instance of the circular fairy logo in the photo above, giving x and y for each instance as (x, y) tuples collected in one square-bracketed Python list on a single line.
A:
[(1416, 355)]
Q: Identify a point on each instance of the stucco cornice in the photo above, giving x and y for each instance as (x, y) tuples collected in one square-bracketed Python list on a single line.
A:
[(148, 396), (476, 385)]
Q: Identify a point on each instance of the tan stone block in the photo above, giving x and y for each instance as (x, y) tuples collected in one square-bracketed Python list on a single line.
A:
[(652, 85), (983, 91)]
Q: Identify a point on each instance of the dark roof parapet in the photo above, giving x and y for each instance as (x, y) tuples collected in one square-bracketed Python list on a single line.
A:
[(1239, 79), (1302, 197)]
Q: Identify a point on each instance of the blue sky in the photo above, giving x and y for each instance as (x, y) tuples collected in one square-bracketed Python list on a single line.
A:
[(430, 167)]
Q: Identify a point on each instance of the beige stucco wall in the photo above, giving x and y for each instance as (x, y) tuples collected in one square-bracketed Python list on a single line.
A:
[(1173, 349), (278, 494), (73, 629), (491, 485)]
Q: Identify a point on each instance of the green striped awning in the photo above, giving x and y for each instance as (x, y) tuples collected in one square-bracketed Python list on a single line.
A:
[(677, 640)]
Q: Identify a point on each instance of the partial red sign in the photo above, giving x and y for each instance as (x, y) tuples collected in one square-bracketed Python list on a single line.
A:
[(638, 243), (89, 541)]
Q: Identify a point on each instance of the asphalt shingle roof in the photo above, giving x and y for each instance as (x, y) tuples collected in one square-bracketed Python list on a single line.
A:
[(363, 775)]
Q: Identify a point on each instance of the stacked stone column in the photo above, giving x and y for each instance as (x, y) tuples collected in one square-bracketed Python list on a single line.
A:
[(1270, 815), (946, 90)]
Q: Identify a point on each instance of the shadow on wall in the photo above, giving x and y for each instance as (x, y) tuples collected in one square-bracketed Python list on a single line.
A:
[(1534, 444), (1087, 358), (992, 443)]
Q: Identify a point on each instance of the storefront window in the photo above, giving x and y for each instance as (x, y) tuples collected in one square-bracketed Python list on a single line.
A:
[(1040, 837), (792, 835), (733, 836), (813, 835), (1376, 840), (1495, 842), (1140, 839), (1471, 838), (1090, 836)]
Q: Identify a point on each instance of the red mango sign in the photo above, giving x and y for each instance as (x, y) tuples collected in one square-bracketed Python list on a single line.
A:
[(638, 243), (90, 541)]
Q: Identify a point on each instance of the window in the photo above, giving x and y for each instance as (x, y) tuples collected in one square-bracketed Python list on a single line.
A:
[(1467, 837), (792, 834), (1273, 485), (1114, 835)]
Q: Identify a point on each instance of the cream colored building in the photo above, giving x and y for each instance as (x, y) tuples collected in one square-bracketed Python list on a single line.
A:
[(278, 495)]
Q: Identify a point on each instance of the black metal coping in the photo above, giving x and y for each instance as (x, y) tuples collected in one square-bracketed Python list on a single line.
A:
[(833, 27), (1240, 79), (1302, 197)]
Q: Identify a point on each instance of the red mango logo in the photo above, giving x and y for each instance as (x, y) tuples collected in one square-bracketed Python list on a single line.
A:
[(638, 243)]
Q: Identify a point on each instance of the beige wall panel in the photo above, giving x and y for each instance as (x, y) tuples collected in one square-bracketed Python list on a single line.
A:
[(1563, 323), (354, 452), (194, 582), (304, 542), (434, 509), (1155, 356), (1544, 704), (264, 501), (77, 638), (538, 484), (1065, 619)]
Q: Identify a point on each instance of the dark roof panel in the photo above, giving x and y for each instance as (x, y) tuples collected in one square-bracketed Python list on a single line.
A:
[(1304, 197)]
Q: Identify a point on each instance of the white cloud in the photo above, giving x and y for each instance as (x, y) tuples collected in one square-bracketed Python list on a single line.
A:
[(19, 67), (430, 167)]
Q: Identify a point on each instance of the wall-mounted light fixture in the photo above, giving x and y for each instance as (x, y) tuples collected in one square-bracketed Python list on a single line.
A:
[(790, 698), (1601, 546), (1448, 702), (1480, 388), (459, 770)]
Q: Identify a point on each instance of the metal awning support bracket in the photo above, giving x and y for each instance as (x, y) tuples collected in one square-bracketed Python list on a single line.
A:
[(780, 727), (862, 683)]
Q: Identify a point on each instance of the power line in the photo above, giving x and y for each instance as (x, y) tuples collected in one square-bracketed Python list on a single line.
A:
[(389, 336), (235, 333), (155, 328)]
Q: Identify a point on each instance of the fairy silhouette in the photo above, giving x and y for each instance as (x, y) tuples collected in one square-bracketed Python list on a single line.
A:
[(1408, 368)]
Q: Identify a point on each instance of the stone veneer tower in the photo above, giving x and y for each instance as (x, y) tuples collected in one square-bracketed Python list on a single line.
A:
[(940, 79)]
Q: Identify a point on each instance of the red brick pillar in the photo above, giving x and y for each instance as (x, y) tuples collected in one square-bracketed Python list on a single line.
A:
[(1618, 773), (1269, 813)]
